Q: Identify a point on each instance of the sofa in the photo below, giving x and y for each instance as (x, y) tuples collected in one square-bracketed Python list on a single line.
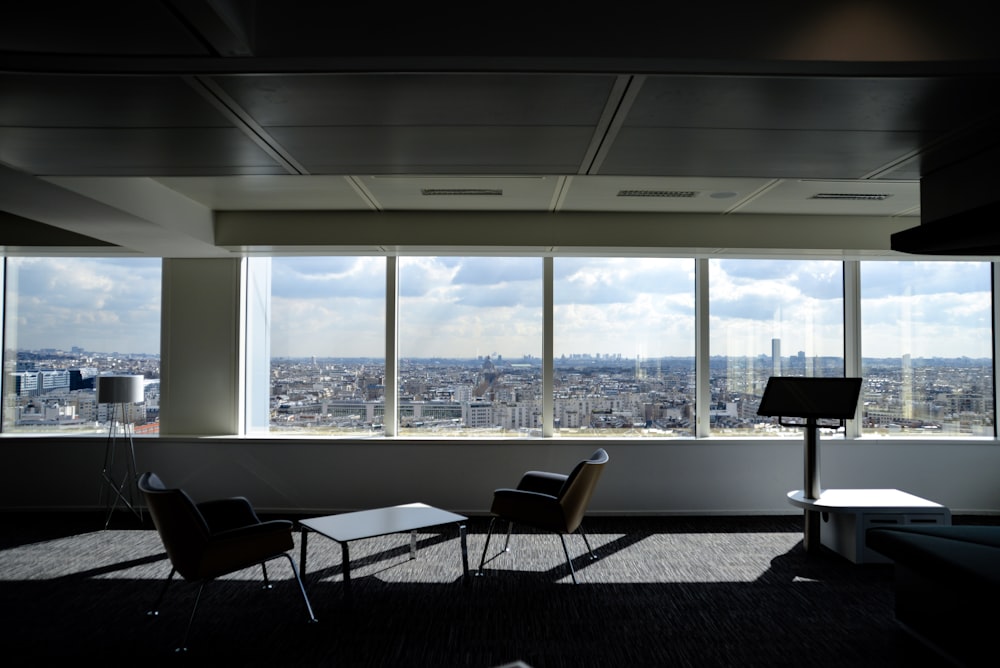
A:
[(947, 587)]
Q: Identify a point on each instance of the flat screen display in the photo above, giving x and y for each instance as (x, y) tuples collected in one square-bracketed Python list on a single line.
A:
[(819, 398)]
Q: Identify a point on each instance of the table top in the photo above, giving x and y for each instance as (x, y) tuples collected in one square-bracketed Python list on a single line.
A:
[(862, 500), (380, 521)]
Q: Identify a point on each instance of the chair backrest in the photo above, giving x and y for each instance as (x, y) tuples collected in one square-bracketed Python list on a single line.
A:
[(182, 528), (574, 497)]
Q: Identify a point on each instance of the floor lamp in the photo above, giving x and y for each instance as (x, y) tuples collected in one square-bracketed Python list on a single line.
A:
[(119, 483)]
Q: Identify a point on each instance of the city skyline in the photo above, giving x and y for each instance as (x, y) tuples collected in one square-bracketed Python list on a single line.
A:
[(655, 398)]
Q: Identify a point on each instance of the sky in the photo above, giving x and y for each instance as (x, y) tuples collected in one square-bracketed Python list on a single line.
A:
[(100, 304), (477, 306)]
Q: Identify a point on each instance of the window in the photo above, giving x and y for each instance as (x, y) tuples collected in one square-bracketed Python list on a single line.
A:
[(769, 318), (926, 348), (67, 320), (470, 343), (325, 346), (471, 335), (624, 341)]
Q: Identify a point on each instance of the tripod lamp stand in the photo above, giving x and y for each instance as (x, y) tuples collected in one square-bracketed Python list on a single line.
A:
[(118, 479)]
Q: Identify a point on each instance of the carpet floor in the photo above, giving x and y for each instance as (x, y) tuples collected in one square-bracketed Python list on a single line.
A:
[(663, 591)]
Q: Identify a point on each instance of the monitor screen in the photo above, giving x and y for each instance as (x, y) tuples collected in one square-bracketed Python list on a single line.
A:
[(819, 398)]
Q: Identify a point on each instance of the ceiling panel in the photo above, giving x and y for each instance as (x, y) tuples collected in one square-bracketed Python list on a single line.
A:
[(651, 194), (814, 198), (269, 193), (421, 99), (97, 27), (134, 152), (436, 150), (885, 104), (491, 193), (104, 102), (754, 152)]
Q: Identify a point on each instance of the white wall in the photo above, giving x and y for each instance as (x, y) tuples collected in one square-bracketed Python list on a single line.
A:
[(199, 346), (674, 477)]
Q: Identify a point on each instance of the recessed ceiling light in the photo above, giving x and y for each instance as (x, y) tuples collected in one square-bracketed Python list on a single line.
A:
[(657, 193), (461, 191), (852, 196)]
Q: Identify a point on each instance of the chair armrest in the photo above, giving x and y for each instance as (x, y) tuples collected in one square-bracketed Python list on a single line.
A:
[(231, 550), (543, 482), (251, 530), (531, 508), (224, 514)]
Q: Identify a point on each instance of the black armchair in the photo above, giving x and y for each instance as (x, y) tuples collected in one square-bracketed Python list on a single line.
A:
[(550, 502), (210, 539)]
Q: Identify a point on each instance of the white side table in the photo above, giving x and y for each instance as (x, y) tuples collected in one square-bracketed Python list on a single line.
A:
[(846, 514)]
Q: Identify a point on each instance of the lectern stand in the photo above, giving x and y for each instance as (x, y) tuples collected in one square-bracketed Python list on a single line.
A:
[(118, 480), (811, 400)]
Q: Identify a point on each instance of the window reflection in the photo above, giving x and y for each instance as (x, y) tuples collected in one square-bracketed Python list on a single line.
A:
[(926, 349), (769, 318)]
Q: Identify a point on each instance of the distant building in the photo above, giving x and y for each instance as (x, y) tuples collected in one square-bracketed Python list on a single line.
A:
[(82, 378), (33, 383), (775, 357)]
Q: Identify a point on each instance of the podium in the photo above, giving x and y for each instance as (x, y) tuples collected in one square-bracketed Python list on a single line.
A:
[(805, 402)]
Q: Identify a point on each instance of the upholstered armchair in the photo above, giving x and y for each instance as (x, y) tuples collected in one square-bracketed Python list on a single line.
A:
[(206, 540), (549, 501)]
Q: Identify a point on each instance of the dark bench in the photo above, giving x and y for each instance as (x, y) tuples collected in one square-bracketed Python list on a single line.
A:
[(947, 582)]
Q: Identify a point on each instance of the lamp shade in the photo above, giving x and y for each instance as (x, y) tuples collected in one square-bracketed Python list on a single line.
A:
[(119, 389)]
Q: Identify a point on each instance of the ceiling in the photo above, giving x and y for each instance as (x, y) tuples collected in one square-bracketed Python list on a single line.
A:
[(129, 126)]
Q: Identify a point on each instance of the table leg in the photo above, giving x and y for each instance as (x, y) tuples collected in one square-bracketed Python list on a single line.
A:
[(346, 566), (302, 553), (413, 545), (811, 536), (465, 554)]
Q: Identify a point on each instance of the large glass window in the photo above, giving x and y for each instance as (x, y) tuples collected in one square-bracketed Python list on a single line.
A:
[(326, 344), (624, 342), (471, 340), (470, 344), (68, 320), (769, 318), (926, 348)]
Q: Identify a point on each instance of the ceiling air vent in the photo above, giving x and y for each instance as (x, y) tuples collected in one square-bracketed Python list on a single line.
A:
[(460, 191), (658, 193), (861, 197)]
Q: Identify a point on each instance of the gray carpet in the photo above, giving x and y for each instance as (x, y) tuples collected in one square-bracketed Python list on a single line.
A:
[(663, 592)]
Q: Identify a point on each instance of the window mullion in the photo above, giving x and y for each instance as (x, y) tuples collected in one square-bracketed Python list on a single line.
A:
[(548, 352), (852, 336), (390, 419), (703, 395)]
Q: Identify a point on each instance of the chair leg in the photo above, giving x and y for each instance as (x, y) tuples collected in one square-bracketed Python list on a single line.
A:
[(569, 562), (302, 588), (155, 610), (267, 583), (486, 545), (506, 545), (586, 542), (194, 611)]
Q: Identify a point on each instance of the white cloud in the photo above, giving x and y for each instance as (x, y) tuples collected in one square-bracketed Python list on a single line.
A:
[(98, 304)]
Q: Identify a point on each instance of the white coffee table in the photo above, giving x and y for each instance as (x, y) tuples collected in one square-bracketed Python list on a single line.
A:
[(346, 527), (846, 514)]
